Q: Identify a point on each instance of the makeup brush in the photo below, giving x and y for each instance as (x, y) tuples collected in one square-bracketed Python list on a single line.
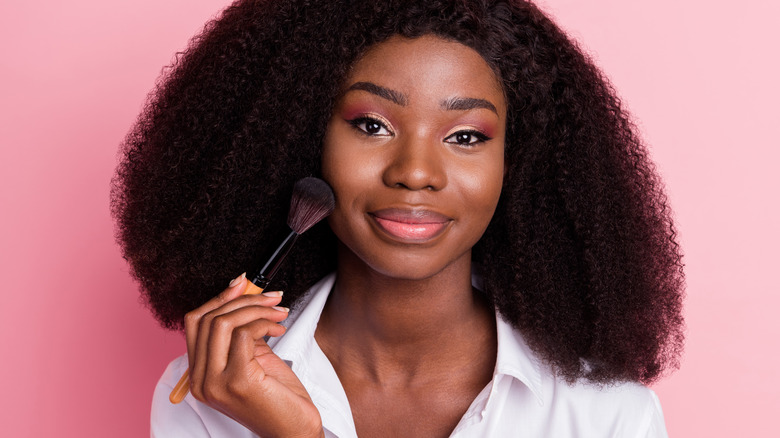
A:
[(312, 200)]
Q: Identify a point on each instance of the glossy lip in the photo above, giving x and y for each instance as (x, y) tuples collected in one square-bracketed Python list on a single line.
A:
[(410, 225)]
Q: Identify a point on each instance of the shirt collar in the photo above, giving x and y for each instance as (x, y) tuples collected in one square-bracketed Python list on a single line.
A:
[(514, 358), (302, 322)]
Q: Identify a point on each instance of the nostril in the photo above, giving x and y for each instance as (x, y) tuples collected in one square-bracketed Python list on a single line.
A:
[(415, 165)]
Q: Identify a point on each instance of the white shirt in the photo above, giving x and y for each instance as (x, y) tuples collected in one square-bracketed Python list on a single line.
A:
[(524, 399)]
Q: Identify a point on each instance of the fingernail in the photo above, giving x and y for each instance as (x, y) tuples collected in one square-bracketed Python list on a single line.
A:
[(282, 309), (237, 280), (273, 294)]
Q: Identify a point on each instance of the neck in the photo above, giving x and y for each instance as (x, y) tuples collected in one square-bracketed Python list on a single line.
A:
[(404, 327)]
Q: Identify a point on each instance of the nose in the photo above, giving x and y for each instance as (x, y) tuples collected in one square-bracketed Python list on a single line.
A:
[(416, 164)]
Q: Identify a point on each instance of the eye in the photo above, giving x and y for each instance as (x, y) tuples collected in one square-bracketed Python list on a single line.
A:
[(467, 137), (370, 126)]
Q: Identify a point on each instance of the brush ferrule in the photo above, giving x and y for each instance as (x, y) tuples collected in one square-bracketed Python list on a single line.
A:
[(264, 276)]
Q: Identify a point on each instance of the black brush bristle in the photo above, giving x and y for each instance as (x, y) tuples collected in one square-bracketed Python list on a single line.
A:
[(312, 201)]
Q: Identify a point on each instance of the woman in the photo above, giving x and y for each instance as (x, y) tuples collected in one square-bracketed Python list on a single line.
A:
[(500, 262)]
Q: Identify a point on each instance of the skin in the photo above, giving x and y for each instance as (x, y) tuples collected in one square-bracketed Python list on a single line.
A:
[(233, 370), (415, 154), (403, 328)]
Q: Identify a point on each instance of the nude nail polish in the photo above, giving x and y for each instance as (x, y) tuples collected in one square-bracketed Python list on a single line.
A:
[(237, 280)]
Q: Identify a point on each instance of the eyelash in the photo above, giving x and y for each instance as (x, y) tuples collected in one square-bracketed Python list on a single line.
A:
[(480, 137), (365, 120), (360, 124)]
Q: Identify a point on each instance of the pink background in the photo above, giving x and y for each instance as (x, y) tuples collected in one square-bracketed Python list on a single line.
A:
[(80, 353)]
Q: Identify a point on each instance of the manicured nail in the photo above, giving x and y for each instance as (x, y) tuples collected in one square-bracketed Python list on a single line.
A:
[(237, 280), (273, 294), (282, 309)]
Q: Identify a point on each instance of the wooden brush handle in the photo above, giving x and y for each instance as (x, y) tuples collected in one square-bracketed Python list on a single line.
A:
[(181, 389), (183, 386)]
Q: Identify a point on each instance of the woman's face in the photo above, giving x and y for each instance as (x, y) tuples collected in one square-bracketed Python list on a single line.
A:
[(414, 152)]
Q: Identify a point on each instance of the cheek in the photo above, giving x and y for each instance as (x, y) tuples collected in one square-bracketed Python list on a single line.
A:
[(343, 172), (348, 171), (334, 164), (331, 159), (350, 164), (482, 185), (337, 162)]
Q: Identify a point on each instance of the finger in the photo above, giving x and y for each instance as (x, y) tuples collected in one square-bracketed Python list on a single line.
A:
[(192, 322), (266, 299), (222, 330), (192, 319), (206, 323), (242, 370)]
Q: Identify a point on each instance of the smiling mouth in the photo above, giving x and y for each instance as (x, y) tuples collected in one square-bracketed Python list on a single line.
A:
[(410, 226)]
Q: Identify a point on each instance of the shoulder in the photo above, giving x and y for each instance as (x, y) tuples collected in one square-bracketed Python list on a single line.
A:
[(626, 399), (624, 409), (580, 408), (189, 418)]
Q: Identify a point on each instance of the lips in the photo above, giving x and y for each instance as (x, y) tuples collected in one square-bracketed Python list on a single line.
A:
[(412, 225)]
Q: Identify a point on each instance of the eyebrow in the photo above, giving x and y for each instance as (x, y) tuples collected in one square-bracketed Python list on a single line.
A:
[(467, 103), (452, 104), (385, 93)]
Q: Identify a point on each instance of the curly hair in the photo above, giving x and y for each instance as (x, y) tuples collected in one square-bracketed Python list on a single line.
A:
[(580, 256)]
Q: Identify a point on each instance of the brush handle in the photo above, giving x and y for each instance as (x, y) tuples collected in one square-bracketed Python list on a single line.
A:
[(263, 276), (183, 386)]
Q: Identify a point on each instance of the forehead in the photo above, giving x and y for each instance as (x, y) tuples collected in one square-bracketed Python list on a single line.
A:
[(427, 66)]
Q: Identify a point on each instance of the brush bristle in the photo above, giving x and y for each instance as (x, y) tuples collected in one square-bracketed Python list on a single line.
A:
[(312, 201)]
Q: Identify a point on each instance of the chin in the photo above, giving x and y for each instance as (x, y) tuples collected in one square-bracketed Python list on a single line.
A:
[(409, 266)]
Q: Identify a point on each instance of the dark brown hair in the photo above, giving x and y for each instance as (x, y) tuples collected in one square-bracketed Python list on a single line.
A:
[(580, 256)]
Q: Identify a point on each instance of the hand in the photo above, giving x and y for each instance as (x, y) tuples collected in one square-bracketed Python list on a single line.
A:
[(233, 370)]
